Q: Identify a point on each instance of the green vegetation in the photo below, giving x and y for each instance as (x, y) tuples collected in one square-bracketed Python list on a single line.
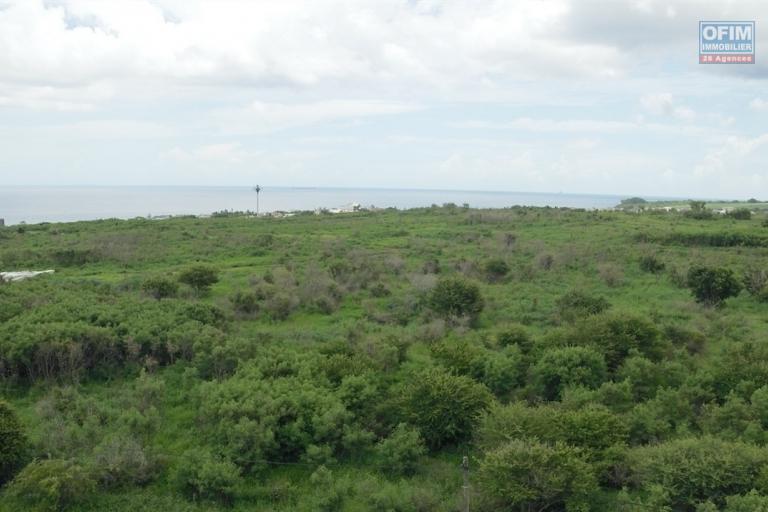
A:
[(349, 362)]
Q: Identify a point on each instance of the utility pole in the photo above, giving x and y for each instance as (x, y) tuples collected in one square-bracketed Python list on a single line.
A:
[(465, 487), (257, 189)]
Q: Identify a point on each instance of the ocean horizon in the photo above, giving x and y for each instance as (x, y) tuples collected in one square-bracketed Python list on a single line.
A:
[(35, 204)]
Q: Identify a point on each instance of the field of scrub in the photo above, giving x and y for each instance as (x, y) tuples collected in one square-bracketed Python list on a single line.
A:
[(582, 360)]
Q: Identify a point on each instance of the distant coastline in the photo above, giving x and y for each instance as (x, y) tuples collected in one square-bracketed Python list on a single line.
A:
[(34, 204)]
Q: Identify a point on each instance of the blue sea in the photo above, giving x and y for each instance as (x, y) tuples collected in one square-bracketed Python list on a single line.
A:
[(62, 204)]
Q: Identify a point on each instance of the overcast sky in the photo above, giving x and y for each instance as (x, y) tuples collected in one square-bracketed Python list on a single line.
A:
[(550, 96)]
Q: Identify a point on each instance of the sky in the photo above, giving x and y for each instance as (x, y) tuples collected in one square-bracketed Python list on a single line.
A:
[(531, 95)]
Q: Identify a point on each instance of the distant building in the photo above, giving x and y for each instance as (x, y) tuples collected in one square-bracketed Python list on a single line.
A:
[(2, 222)]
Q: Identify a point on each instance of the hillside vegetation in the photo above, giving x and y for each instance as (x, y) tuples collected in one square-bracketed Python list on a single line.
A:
[(581, 360)]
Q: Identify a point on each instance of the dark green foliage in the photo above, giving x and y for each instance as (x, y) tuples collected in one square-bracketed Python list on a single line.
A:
[(496, 270), (443, 406), (201, 476), (698, 210), (199, 277), (756, 283), (13, 442), (454, 297), (569, 366), (709, 239), (399, 453), (575, 304), (712, 286), (51, 485), (740, 214), (652, 264), (245, 302), (531, 476), (697, 469), (160, 287)]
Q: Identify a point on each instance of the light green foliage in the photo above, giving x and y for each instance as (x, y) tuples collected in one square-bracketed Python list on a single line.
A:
[(322, 343), (558, 368), (400, 452), (202, 476), (592, 428), (696, 469), (199, 277), (51, 485), (529, 475), (443, 406)]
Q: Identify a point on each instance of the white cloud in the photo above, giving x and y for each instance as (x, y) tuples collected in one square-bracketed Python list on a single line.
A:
[(265, 117), (223, 153), (664, 104), (758, 104)]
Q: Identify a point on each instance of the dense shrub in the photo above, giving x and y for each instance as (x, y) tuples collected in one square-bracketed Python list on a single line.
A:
[(740, 214), (13, 442), (199, 277), (616, 336), (756, 283), (160, 287), (697, 469), (281, 411), (593, 428), (575, 304), (52, 485), (400, 452), (529, 475), (496, 270), (652, 264), (453, 297), (200, 475), (443, 406), (515, 334), (121, 460), (245, 302), (712, 286), (568, 366)]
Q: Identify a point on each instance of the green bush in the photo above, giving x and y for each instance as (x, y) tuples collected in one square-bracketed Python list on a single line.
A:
[(515, 334), (652, 264), (400, 452), (697, 469), (52, 485), (575, 304), (592, 428), (529, 475), (200, 475), (453, 297), (121, 460), (740, 214), (199, 277), (13, 442), (160, 287), (443, 406), (496, 270), (712, 286), (559, 368), (246, 303)]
